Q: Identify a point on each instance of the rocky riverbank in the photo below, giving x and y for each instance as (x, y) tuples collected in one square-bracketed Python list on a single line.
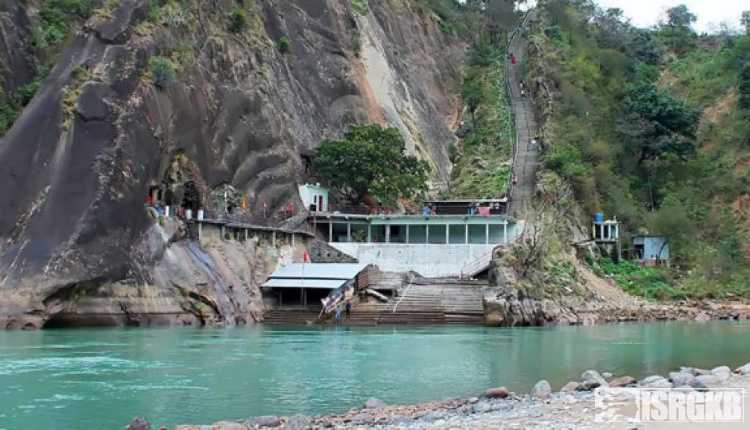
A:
[(585, 298), (572, 407)]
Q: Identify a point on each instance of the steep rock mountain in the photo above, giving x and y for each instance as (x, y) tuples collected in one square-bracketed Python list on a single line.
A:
[(150, 93)]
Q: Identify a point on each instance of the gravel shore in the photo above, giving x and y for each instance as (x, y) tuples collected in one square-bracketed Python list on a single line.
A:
[(571, 408)]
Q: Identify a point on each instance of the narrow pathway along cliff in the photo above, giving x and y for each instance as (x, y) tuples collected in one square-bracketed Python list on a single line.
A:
[(526, 152)]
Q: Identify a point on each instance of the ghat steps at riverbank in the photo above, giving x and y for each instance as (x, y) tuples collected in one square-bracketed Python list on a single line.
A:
[(444, 302)]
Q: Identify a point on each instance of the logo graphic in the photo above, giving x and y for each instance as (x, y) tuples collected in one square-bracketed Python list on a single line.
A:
[(664, 405)]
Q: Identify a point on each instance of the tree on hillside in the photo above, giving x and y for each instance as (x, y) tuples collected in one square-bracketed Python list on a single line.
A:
[(745, 88), (658, 123), (659, 131), (370, 160), (500, 17), (473, 92), (680, 17), (677, 31), (746, 21)]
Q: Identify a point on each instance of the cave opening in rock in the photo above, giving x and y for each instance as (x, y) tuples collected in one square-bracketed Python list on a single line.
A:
[(191, 198), (155, 195)]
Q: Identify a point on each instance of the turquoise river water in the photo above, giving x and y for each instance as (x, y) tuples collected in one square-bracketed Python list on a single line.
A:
[(101, 378)]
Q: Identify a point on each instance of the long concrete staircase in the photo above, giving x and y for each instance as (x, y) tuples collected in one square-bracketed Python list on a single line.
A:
[(526, 152)]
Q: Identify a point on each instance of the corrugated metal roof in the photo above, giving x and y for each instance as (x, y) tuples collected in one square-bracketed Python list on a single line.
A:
[(327, 284), (344, 271), (314, 275)]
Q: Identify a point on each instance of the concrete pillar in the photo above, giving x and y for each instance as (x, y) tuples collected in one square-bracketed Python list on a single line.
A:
[(292, 239), (273, 238), (348, 232), (505, 232), (245, 235), (388, 234), (330, 231), (369, 233), (222, 232), (447, 234), (427, 233), (466, 241), (407, 233), (200, 230), (487, 234)]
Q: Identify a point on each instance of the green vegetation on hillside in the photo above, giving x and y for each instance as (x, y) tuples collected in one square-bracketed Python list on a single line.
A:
[(649, 282), (482, 168), (57, 19), (11, 106), (649, 126), (482, 159)]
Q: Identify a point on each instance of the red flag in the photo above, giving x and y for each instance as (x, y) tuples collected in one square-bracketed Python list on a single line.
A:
[(306, 257)]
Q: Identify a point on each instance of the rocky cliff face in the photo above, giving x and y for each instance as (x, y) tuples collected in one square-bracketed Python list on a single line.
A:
[(106, 126), (18, 65)]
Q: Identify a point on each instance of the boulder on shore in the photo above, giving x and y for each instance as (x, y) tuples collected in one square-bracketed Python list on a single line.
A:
[(622, 381), (694, 371), (743, 370), (373, 403), (230, 425), (705, 381), (139, 423), (267, 421), (570, 387), (681, 379), (722, 372), (655, 381), (542, 390), (497, 393), (591, 379)]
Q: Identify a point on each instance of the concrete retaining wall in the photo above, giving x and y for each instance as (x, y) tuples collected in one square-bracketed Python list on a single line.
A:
[(427, 260)]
